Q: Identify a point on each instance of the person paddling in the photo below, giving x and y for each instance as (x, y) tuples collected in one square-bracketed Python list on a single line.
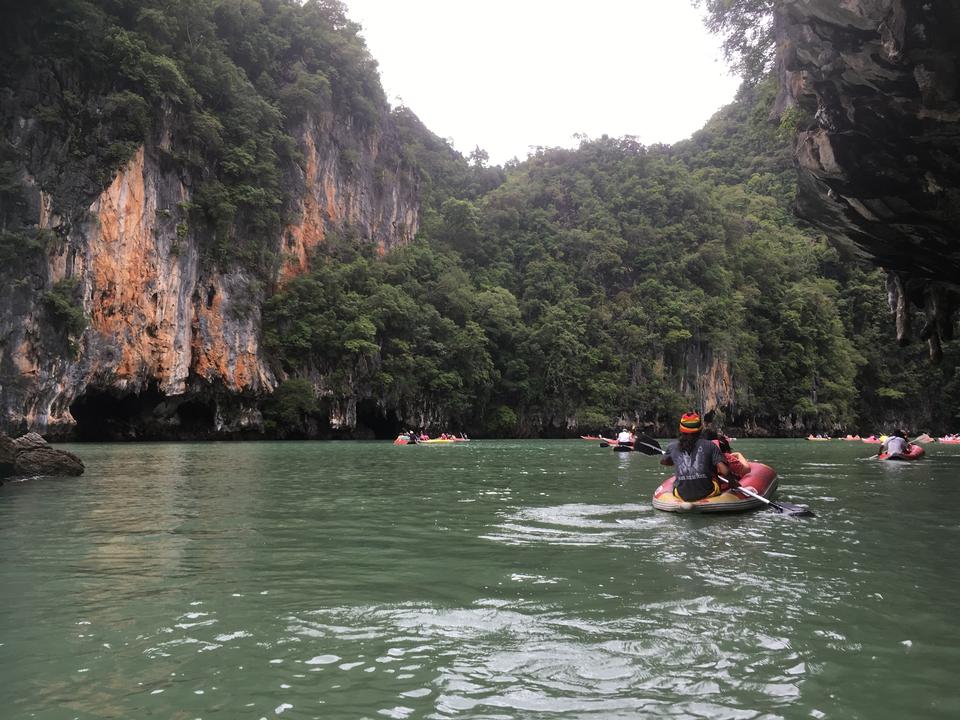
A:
[(624, 437), (896, 444), (735, 461), (697, 462)]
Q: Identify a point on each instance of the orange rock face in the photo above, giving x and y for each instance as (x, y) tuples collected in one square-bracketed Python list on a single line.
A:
[(157, 315), (132, 280), (716, 385), (347, 194), (145, 299), (304, 236)]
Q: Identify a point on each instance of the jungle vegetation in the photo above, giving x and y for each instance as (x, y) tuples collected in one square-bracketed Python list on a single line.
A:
[(610, 282), (552, 296)]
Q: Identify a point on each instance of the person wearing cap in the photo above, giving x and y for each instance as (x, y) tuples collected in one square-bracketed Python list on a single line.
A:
[(697, 461), (896, 444)]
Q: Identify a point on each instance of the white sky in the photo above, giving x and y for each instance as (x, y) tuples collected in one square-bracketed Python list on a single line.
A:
[(509, 75)]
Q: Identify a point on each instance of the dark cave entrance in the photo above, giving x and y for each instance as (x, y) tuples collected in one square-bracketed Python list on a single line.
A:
[(384, 426), (195, 418), (106, 415)]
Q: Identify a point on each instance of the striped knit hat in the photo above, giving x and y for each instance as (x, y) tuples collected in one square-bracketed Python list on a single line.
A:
[(690, 423)]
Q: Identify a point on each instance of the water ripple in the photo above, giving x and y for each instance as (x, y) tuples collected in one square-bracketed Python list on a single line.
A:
[(500, 580)]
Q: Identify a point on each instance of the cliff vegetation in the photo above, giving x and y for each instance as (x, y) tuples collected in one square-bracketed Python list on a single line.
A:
[(212, 224)]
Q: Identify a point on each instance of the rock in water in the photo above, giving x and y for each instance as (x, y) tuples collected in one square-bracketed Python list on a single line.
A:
[(35, 456), (8, 457)]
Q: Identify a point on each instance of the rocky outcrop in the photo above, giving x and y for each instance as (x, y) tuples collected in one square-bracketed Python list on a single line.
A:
[(31, 455), (362, 186), (8, 456), (164, 324), (875, 88)]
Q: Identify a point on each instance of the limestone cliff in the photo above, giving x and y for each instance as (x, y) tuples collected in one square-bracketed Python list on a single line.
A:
[(875, 86), (165, 325)]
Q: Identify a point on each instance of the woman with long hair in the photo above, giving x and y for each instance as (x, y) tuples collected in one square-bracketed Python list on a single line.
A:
[(697, 461)]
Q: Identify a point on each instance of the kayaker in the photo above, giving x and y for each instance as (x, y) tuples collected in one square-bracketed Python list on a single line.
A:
[(738, 464), (624, 437), (896, 444), (697, 461)]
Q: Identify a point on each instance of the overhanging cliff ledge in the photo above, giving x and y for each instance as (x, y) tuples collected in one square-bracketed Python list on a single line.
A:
[(874, 86)]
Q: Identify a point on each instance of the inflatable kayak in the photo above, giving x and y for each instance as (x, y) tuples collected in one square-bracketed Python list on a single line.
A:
[(916, 452), (404, 440), (816, 439), (872, 440), (949, 441), (622, 448), (762, 479)]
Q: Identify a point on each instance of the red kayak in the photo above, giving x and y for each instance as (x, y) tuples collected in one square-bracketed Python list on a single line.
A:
[(914, 453), (762, 479)]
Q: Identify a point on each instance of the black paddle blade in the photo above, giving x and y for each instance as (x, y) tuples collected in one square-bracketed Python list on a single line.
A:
[(642, 447), (788, 509), (647, 440), (647, 445), (792, 510), (604, 444)]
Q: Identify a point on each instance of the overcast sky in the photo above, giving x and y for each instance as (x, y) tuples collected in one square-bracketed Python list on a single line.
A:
[(509, 75)]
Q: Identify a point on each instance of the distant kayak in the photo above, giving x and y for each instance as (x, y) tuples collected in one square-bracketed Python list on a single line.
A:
[(762, 479), (915, 453), (816, 439), (622, 448), (405, 440)]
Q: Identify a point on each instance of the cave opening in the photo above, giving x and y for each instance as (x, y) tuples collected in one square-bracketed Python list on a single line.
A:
[(195, 417), (383, 425), (103, 414)]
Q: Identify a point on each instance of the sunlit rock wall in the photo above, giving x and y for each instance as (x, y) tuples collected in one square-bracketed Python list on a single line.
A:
[(160, 317), (353, 181)]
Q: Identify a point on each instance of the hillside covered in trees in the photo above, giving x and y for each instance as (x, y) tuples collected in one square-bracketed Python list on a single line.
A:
[(553, 296), (611, 281)]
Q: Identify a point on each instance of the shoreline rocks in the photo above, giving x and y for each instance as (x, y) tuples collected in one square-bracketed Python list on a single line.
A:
[(31, 455)]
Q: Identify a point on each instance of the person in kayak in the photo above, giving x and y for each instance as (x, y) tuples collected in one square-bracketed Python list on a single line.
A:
[(697, 461), (624, 437), (735, 461), (896, 444)]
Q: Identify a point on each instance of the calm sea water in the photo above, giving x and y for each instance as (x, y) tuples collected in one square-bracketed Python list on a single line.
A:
[(495, 579)]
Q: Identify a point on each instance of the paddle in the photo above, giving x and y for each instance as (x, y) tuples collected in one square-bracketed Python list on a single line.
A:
[(649, 446), (780, 507)]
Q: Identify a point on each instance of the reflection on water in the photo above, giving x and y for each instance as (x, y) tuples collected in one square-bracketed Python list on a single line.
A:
[(490, 580)]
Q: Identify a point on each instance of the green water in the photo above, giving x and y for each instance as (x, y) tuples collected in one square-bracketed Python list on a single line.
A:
[(496, 579)]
